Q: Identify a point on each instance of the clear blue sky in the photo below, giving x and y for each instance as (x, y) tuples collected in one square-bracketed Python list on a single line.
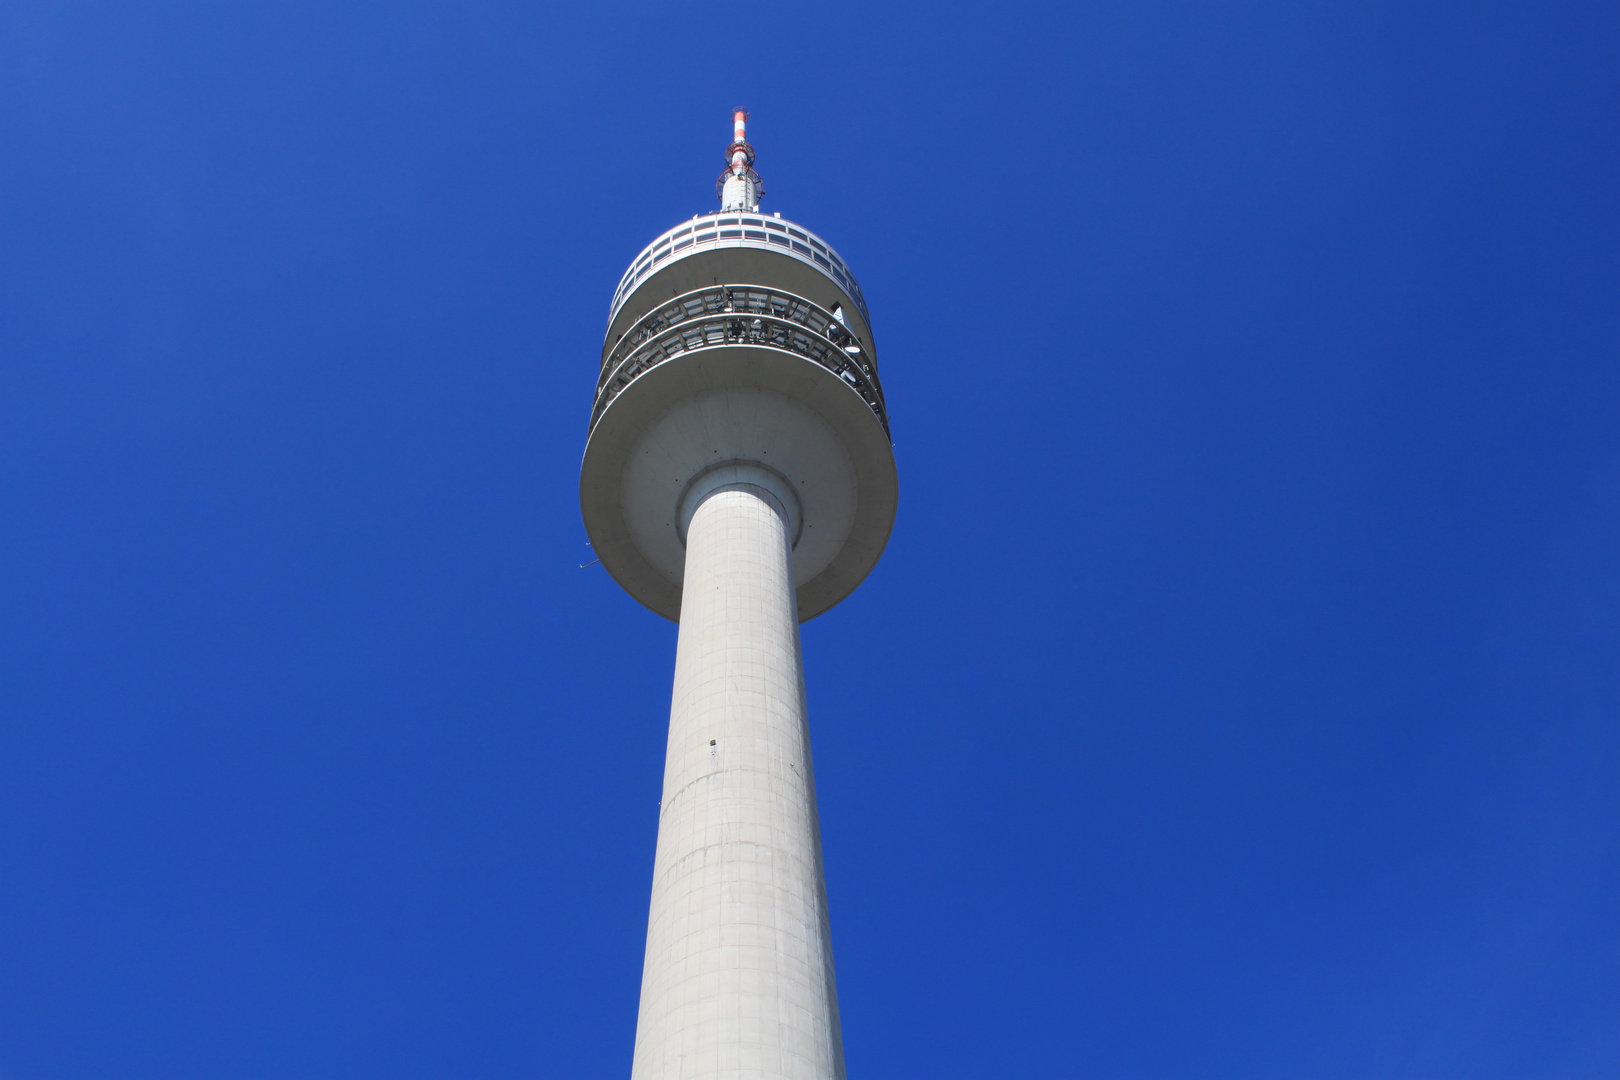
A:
[(1239, 695)]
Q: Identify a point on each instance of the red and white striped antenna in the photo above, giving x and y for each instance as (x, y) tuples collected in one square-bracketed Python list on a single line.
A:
[(739, 187)]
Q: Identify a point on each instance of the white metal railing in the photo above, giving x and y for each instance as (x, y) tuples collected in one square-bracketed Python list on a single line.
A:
[(740, 315), (734, 229)]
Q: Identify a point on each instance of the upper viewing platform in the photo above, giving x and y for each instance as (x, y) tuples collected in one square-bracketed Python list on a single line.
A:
[(734, 230)]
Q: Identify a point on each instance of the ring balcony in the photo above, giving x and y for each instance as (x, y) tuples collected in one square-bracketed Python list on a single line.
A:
[(736, 231), (739, 315)]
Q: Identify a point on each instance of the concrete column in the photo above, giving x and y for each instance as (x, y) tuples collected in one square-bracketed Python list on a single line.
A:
[(738, 982)]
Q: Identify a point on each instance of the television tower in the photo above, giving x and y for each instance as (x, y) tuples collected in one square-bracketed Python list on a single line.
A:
[(738, 479)]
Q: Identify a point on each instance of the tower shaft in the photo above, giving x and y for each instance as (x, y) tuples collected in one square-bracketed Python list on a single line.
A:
[(738, 981), (738, 477)]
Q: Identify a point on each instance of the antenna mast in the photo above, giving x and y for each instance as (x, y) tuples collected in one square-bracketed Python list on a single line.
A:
[(739, 187)]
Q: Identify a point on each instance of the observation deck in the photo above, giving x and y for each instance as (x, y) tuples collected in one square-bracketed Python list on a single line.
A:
[(740, 315), (738, 338), (707, 232)]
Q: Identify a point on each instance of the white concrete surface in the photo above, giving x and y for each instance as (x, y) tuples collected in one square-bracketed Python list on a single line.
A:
[(743, 474), (729, 403), (738, 981), (739, 423)]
